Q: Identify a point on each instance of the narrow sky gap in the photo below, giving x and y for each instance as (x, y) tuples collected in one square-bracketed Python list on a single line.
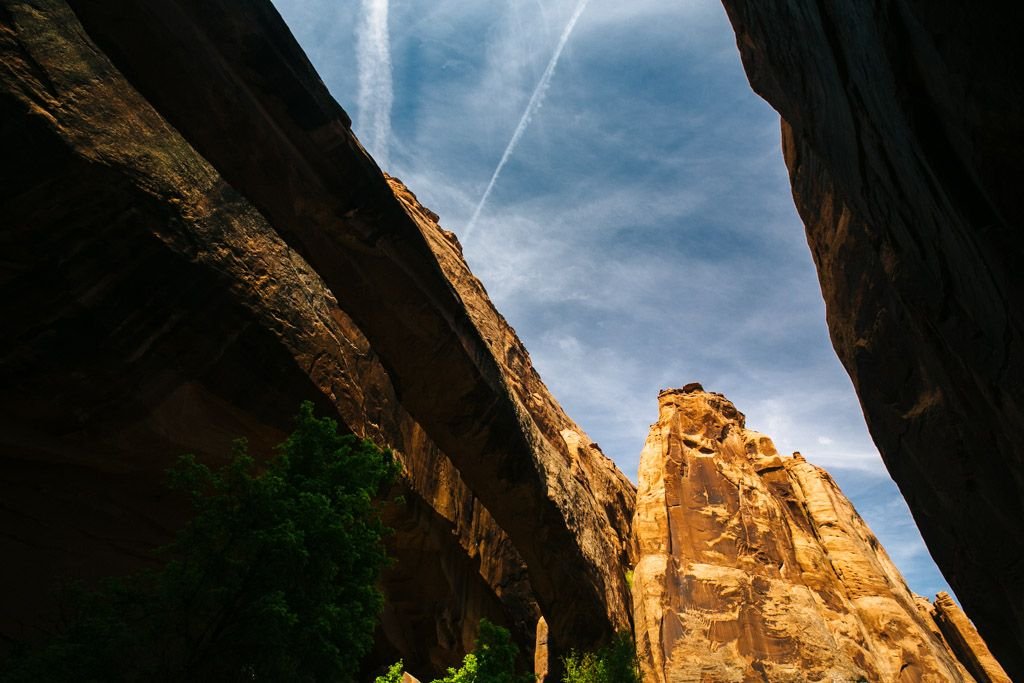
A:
[(536, 99), (649, 240), (373, 56)]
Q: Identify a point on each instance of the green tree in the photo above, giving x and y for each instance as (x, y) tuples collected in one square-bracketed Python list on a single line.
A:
[(614, 663), (273, 579)]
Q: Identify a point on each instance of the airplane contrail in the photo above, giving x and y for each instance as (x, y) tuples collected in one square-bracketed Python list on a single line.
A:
[(531, 108), (373, 55)]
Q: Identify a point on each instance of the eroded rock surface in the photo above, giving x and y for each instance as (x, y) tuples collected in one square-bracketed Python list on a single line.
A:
[(903, 125), (193, 242), (754, 566)]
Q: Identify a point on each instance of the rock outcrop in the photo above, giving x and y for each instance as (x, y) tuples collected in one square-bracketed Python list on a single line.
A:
[(193, 242), (752, 565), (903, 125)]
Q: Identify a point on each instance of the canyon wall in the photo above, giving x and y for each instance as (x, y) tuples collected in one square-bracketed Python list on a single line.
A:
[(193, 242), (752, 565), (903, 127)]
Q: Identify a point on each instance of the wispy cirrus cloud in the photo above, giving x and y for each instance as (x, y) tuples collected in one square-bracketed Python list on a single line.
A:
[(536, 100), (376, 95)]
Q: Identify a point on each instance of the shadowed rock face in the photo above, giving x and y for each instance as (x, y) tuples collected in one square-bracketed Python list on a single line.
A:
[(903, 131), (252, 88), (754, 566), (188, 255)]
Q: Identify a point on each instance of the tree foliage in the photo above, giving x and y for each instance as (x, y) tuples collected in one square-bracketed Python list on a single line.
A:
[(272, 580)]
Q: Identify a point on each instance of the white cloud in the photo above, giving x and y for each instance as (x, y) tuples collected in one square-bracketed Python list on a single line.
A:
[(532, 107), (373, 57)]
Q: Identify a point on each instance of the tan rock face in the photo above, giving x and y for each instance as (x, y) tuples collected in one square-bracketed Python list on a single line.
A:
[(754, 566), (187, 258), (902, 126)]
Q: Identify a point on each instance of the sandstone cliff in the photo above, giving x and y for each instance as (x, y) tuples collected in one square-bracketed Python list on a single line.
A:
[(903, 127), (193, 242), (754, 566)]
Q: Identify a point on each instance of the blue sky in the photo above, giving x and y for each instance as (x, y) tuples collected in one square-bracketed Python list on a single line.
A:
[(642, 234)]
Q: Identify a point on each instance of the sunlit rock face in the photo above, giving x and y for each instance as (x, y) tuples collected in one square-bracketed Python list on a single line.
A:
[(193, 242), (754, 566), (903, 130)]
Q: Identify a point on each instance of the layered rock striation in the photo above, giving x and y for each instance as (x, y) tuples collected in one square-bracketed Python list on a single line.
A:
[(193, 242), (902, 129), (752, 565)]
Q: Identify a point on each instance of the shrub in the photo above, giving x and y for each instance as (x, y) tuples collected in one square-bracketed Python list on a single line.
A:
[(393, 675), (614, 663), (273, 579), (496, 656), (469, 672), (493, 660)]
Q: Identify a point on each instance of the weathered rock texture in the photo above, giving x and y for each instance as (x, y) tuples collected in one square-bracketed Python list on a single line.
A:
[(754, 566), (903, 125), (192, 242)]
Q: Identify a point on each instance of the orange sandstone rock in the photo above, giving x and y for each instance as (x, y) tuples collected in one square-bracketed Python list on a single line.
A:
[(754, 566)]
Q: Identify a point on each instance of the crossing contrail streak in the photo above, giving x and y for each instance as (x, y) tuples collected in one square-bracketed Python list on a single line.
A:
[(531, 108), (373, 56)]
